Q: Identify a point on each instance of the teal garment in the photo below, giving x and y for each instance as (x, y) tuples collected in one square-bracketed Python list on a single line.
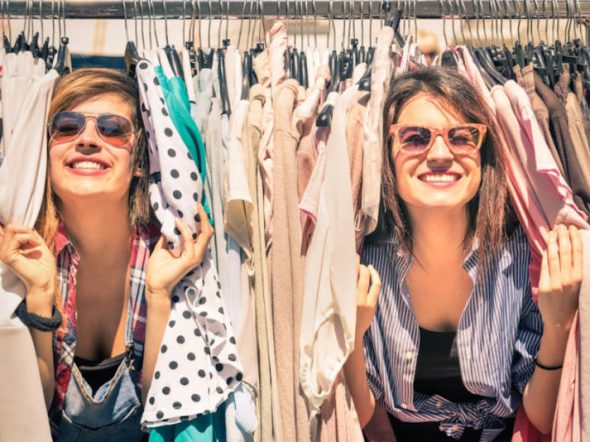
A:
[(177, 100), (204, 428)]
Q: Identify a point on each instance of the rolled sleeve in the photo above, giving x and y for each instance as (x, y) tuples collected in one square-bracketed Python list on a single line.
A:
[(373, 376), (528, 339)]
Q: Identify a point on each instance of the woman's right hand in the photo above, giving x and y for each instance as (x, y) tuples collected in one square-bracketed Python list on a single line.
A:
[(25, 252), (368, 287)]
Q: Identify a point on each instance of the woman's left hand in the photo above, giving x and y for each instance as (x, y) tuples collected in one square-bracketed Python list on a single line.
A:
[(561, 277), (164, 270)]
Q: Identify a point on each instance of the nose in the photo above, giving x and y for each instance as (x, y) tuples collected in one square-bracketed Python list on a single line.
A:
[(440, 152), (89, 136)]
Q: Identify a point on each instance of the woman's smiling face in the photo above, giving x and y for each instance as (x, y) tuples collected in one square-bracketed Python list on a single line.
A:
[(87, 165), (436, 177)]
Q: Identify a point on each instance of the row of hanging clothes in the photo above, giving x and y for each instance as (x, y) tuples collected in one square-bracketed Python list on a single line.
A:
[(285, 145), (292, 140), (30, 66)]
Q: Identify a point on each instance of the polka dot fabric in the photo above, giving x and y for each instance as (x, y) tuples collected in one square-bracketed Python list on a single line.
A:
[(197, 367)]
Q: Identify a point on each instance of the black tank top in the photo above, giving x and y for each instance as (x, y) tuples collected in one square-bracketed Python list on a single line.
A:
[(98, 373), (438, 372)]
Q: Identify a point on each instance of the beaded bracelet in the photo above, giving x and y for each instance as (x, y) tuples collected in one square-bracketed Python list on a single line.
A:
[(38, 322)]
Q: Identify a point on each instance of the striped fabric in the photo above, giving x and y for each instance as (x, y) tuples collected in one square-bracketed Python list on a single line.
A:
[(64, 340), (498, 338)]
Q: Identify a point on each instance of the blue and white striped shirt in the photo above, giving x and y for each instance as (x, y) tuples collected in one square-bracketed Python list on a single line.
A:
[(498, 338)]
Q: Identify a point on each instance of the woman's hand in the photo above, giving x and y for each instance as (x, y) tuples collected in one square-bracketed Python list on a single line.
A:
[(164, 270), (561, 277), (367, 294), (26, 254)]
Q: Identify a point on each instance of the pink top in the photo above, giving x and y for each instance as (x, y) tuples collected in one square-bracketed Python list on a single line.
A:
[(382, 70), (540, 197), (275, 64)]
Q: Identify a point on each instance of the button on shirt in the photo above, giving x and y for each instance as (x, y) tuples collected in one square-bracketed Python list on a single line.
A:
[(498, 337)]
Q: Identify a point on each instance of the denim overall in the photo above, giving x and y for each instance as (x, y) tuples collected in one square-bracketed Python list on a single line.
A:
[(112, 414)]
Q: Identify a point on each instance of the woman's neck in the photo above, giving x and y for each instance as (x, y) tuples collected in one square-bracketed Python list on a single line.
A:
[(101, 233), (438, 236)]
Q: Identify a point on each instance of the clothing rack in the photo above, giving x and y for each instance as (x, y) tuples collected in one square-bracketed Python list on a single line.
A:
[(174, 9)]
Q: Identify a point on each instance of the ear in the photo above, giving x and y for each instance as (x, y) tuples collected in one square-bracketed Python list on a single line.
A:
[(139, 172)]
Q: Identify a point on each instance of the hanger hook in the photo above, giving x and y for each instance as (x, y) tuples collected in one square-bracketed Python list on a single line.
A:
[(165, 22), (125, 19), (463, 15), (444, 22), (226, 18), (555, 24)]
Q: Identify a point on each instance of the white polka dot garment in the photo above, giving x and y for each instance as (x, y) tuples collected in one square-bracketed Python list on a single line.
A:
[(197, 367)]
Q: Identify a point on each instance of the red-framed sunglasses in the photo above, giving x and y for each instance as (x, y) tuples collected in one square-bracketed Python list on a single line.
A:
[(460, 138)]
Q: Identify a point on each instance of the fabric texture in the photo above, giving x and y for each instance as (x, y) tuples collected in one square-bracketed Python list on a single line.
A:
[(64, 343), (268, 403), (382, 70), (575, 173), (112, 412), (198, 338), (498, 369), (329, 302), (26, 94), (286, 265)]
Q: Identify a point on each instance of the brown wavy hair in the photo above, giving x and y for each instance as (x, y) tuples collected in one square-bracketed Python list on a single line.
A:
[(490, 217), (73, 89)]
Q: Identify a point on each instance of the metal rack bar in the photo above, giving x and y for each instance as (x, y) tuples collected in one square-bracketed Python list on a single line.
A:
[(422, 9)]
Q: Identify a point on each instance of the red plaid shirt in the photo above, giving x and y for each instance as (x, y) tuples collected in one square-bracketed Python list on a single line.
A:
[(64, 340)]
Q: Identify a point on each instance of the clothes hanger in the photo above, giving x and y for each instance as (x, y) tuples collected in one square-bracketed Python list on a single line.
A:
[(190, 43), (303, 74), (362, 52), (246, 59), (63, 64), (131, 54), (221, 75), (324, 118), (170, 50)]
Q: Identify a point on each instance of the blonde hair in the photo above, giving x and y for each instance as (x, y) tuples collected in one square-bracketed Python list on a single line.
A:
[(78, 87)]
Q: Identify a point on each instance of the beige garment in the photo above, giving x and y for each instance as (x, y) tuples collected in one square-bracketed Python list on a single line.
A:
[(329, 304), (355, 139), (270, 72), (23, 416), (238, 214), (267, 401), (526, 80), (286, 264), (382, 70), (578, 134), (306, 113), (307, 154), (579, 91)]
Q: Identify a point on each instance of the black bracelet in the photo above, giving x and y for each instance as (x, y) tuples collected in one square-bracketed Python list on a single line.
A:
[(38, 322), (546, 367)]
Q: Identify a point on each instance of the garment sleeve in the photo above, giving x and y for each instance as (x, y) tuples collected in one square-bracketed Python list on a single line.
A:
[(528, 339), (373, 376)]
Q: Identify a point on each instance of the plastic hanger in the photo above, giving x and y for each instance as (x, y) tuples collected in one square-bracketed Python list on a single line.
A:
[(246, 68), (303, 74), (131, 54), (225, 106), (324, 118)]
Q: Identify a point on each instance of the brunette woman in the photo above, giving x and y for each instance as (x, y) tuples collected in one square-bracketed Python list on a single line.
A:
[(454, 342)]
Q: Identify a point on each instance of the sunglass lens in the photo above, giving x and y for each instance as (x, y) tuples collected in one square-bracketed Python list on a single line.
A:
[(464, 137), (114, 129), (414, 138), (66, 125)]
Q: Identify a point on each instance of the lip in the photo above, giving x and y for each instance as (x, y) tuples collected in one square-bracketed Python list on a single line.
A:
[(440, 184), (87, 172)]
